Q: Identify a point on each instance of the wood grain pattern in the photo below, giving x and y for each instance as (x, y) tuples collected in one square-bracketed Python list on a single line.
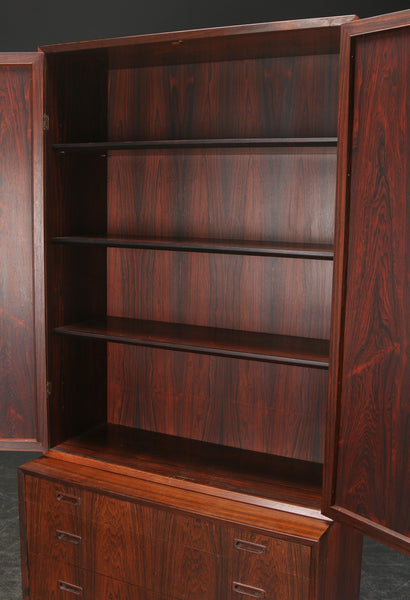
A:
[(229, 99), (282, 570), (80, 391), (166, 552), (336, 568), (340, 263), (372, 452), (149, 548), (55, 580), (272, 295), (395, 20), (285, 569), (299, 37), (80, 513), (76, 280), (232, 473), (252, 405), (287, 526), (261, 195), (206, 340), (23, 418)]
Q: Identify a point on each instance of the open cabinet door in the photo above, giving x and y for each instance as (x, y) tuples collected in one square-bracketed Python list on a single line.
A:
[(367, 470), (22, 318)]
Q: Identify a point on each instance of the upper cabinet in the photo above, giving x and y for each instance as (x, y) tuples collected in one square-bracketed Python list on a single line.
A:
[(367, 458), (23, 420)]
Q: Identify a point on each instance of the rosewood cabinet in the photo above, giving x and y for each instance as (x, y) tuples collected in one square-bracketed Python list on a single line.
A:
[(204, 308)]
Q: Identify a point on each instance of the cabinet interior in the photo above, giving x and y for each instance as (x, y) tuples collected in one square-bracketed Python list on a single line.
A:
[(189, 222)]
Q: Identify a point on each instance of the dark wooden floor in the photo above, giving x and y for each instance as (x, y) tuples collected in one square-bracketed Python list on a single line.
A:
[(385, 573)]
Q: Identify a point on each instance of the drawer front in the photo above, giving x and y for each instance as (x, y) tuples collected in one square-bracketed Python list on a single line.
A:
[(163, 566), (55, 532), (55, 580), (161, 551), (54, 496), (265, 567), (51, 503), (115, 517), (158, 550)]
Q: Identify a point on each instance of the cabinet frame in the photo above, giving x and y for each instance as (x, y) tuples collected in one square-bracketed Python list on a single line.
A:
[(74, 334)]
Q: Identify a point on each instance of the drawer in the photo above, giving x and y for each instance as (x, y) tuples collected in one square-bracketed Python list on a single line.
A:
[(162, 551), (115, 516), (265, 567), (121, 553), (162, 566), (54, 496), (55, 580), (159, 550), (52, 506), (182, 574)]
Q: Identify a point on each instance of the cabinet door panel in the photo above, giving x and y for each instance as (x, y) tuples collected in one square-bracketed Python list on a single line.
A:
[(367, 474), (22, 338)]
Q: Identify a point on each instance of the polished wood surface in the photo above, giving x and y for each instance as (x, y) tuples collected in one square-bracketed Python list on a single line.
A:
[(298, 37), (289, 249), (277, 567), (186, 189), (338, 563), (225, 100), (208, 340), (76, 280), (369, 481), (150, 548), (275, 408), (267, 196), (249, 293), (253, 477), (23, 416), (68, 581), (74, 479), (76, 518), (190, 250)]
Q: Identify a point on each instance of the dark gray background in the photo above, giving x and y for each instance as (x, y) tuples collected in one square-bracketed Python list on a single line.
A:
[(26, 24)]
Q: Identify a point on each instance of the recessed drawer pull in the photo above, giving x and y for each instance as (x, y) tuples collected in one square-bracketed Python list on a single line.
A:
[(248, 590), (250, 547), (69, 587), (68, 498), (64, 536)]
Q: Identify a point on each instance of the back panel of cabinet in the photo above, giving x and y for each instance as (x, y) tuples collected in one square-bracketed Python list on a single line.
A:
[(282, 195)]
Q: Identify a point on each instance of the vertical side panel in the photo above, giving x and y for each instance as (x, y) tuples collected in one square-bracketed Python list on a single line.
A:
[(75, 202), (22, 337), (367, 473)]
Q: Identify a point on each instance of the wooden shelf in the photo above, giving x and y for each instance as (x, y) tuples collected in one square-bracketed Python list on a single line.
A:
[(217, 470), (205, 340), (296, 250), (199, 143)]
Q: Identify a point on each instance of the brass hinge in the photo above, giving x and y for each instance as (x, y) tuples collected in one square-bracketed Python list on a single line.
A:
[(49, 388), (46, 122)]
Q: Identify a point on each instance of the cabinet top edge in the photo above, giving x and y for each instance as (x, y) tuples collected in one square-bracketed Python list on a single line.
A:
[(201, 34), (306, 528)]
